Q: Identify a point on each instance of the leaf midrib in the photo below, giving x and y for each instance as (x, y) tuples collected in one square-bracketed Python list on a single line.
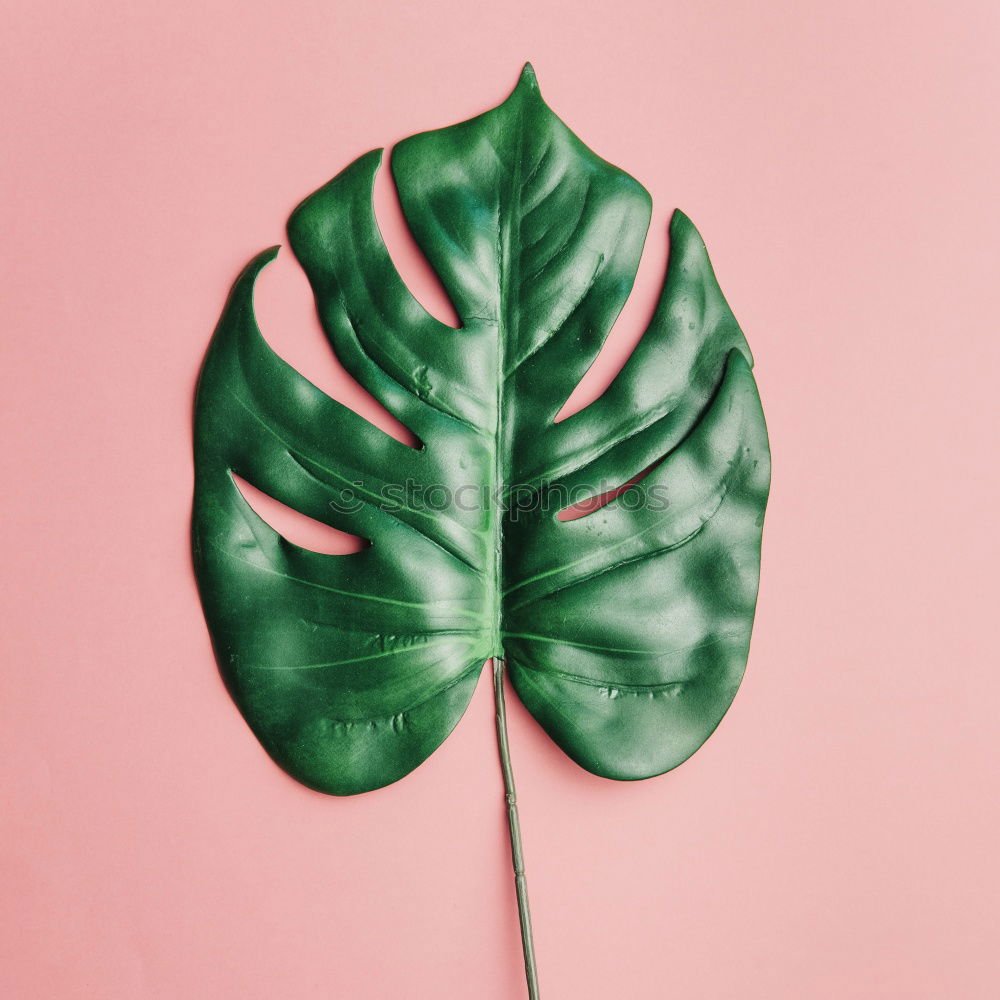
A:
[(508, 276)]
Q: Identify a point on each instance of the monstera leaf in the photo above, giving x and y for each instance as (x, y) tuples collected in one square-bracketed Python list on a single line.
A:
[(625, 631)]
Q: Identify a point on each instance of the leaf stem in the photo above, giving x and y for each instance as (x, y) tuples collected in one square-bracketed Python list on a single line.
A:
[(513, 823)]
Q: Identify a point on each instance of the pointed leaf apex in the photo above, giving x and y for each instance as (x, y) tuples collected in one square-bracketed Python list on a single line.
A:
[(528, 82), (678, 219)]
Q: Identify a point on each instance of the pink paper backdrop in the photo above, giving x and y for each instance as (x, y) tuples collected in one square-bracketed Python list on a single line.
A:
[(837, 838)]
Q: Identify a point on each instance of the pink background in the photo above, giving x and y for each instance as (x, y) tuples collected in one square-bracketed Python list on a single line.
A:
[(837, 838)]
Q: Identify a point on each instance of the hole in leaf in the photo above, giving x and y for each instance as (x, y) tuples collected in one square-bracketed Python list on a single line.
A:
[(404, 251), (584, 507), (299, 529), (285, 308)]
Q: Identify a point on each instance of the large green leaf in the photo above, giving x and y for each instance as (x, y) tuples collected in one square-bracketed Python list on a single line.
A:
[(626, 630)]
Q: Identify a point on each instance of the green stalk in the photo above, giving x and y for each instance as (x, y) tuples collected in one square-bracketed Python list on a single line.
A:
[(516, 849)]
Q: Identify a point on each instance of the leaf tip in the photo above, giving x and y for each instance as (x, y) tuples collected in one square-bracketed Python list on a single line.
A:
[(250, 272), (528, 81), (684, 233), (679, 221)]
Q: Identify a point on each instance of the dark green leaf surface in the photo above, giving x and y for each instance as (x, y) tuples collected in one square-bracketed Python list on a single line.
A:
[(626, 630)]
